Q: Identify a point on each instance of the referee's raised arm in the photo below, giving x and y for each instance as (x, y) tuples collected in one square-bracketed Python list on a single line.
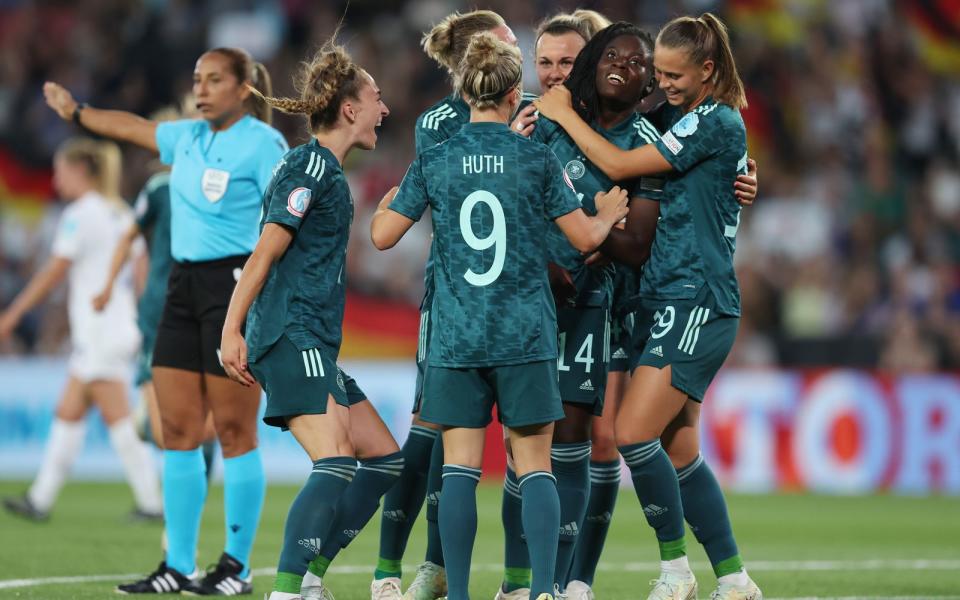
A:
[(116, 124)]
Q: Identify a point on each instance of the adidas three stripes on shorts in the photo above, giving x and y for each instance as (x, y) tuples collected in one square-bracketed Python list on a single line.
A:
[(689, 335)]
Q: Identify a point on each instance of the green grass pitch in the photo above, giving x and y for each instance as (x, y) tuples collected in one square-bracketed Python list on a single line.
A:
[(794, 546)]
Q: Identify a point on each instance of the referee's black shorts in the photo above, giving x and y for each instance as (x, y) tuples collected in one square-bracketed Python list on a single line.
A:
[(198, 295)]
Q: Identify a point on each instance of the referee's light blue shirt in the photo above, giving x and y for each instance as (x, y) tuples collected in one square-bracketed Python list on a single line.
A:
[(217, 184)]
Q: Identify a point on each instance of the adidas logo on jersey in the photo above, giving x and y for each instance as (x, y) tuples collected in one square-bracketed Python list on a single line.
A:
[(351, 533), (433, 499), (395, 515), (587, 385), (311, 544), (658, 351), (601, 518), (570, 529), (652, 510), (620, 353)]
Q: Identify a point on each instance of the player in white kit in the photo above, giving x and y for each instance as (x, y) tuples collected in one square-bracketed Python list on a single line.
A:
[(87, 175)]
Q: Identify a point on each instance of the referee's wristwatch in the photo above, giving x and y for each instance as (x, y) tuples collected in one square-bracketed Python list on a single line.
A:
[(76, 113)]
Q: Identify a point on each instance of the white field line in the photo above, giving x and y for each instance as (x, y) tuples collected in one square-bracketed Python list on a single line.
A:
[(652, 567)]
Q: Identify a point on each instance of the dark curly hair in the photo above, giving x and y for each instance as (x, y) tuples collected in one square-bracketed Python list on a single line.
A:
[(582, 81)]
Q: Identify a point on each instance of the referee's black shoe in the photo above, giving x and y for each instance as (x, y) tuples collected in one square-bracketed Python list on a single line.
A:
[(223, 580), (162, 581)]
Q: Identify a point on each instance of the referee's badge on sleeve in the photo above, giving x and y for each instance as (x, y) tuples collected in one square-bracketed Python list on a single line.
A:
[(298, 201), (214, 184)]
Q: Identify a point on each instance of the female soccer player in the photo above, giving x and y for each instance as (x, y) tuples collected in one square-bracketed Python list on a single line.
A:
[(611, 75), (445, 43), (294, 282), (495, 341), (222, 164), (690, 299), (87, 175)]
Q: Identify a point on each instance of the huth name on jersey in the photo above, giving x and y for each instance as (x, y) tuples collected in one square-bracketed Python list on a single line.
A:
[(477, 164)]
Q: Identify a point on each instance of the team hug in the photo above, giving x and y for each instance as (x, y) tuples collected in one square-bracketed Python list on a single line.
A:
[(580, 279)]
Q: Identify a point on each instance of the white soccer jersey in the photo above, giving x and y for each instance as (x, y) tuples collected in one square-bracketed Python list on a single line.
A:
[(87, 235)]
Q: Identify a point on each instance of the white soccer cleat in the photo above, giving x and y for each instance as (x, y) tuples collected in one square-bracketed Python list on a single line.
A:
[(387, 588), (429, 584), (517, 594), (731, 591), (578, 590), (673, 586), (312, 588)]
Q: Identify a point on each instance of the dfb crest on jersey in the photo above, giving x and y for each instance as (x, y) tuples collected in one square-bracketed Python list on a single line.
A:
[(575, 169), (298, 201)]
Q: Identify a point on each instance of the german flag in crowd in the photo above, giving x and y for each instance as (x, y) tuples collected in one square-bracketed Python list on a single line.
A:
[(935, 25), (24, 192)]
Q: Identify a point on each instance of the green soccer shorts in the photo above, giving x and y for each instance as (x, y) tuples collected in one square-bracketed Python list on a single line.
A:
[(621, 334), (297, 382), (526, 394), (424, 337), (354, 394), (688, 335), (584, 342)]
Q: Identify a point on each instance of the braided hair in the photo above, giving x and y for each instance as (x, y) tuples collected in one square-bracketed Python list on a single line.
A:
[(582, 81), (324, 82)]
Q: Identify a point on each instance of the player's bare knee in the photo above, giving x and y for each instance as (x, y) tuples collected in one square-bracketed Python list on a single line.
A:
[(604, 447), (682, 455)]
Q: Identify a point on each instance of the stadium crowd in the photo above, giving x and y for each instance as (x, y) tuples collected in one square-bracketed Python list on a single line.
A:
[(850, 255)]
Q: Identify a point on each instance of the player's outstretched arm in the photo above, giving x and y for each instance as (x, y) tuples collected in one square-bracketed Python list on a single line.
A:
[(120, 256), (616, 163), (115, 124), (388, 227), (40, 286), (587, 233), (274, 241)]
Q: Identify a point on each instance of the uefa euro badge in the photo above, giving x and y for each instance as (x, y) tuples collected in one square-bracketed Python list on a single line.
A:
[(298, 201), (214, 184), (687, 125), (575, 169)]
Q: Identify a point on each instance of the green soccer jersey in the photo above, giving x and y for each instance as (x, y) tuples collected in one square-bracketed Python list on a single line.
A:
[(699, 215), (305, 291), (594, 284), (435, 125), (491, 195), (152, 210)]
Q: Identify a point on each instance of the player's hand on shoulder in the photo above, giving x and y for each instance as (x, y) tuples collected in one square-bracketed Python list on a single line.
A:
[(745, 187), (525, 121), (233, 354), (59, 99), (556, 100)]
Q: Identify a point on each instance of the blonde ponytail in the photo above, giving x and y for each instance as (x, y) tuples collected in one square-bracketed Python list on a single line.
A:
[(447, 42), (490, 69)]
